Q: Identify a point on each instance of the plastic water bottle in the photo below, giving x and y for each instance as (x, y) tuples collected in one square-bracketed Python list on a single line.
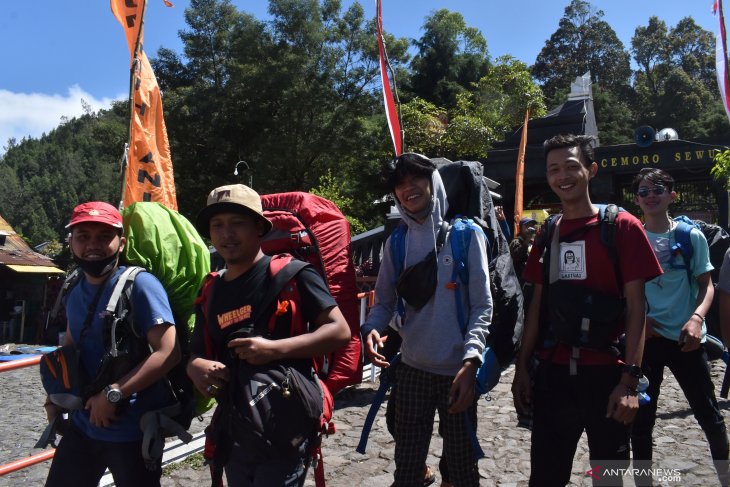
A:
[(641, 387)]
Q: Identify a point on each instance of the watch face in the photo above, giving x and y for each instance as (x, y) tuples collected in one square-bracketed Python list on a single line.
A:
[(114, 395), (633, 370)]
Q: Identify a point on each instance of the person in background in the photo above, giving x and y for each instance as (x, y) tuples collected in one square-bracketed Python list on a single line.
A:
[(519, 248), (503, 225), (675, 325)]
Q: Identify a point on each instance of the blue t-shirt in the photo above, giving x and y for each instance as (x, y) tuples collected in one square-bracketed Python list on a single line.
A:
[(672, 298), (151, 307)]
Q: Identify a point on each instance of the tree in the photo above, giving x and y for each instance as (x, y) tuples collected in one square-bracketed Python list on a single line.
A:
[(43, 179), (582, 43), (451, 57), (675, 84), (480, 118)]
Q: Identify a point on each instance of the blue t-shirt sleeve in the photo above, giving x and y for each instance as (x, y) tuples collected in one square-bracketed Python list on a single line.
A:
[(150, 304), (700, 253)]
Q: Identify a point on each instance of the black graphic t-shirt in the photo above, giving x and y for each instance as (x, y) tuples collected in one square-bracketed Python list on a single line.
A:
[(237, 303)]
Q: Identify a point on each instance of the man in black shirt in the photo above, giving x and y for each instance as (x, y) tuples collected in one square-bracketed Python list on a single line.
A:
[(234, 221)]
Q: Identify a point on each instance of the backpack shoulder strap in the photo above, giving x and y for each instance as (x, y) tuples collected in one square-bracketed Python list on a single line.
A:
[(607, 216), (461, 232), (68, 284), (683, 244), (398, 248), (283, 270), (128, 276)]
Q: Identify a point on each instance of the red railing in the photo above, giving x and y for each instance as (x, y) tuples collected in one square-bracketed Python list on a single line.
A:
[(33, 459)]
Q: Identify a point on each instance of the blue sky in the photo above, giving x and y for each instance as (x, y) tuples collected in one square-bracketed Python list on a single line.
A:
[(57, 52)]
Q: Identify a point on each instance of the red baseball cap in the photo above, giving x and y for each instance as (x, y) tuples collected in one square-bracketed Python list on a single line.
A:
[(96, 211)]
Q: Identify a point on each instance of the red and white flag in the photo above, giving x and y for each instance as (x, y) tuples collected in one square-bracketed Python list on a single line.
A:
[(721, 64), (391, 111)]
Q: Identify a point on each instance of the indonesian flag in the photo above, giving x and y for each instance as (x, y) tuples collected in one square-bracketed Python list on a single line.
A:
[(520, 174), (149, 175), (721, 64), (391, 112)]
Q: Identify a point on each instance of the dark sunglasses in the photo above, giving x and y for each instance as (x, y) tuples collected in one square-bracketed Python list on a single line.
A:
[(657, 190)]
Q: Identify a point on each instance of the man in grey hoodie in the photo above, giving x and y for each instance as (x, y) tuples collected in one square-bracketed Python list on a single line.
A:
[(438, 363)]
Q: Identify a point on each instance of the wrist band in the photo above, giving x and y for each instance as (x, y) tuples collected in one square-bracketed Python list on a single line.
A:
[(699, 316)]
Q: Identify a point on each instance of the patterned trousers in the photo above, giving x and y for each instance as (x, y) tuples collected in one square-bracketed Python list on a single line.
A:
[(420, 395)]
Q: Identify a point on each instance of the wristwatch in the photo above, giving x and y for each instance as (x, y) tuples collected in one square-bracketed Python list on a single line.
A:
[(113, 395), (633, 370)]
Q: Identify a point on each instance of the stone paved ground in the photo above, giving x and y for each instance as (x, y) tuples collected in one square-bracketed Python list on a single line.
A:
[(679, 441)]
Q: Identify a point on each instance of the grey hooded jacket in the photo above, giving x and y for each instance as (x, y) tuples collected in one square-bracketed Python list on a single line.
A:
[(432, 338)]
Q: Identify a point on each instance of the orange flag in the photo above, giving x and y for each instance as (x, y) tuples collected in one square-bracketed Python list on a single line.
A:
[(520, 174), (149, 175)]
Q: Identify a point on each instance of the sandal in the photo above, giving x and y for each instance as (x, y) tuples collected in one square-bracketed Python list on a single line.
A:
[(429, 476)]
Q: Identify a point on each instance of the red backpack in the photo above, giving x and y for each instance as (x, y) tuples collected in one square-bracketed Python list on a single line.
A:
[(283, 270), (314, 230)]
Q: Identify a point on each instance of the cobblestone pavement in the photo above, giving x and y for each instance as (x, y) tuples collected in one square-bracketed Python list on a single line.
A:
[(679, 441)]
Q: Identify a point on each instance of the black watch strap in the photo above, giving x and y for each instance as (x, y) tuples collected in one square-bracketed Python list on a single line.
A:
[(633, 370)]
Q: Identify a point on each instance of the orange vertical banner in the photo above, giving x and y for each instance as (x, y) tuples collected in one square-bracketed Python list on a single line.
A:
[(520, 175), (149, 175)]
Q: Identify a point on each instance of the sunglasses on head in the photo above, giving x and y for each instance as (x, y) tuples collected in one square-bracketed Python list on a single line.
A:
[(657, 190)]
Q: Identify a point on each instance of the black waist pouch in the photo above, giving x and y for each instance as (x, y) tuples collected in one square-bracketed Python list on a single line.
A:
[(417, 283), (583, 317), (276, 405)]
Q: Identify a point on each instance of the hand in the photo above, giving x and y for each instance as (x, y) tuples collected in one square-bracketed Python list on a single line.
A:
[(622, 406), (373, 341), (208, 376), (102, 413), (499, 212), (522, 389), (51, 410), (461, 394), (691, 334), (255, 350)]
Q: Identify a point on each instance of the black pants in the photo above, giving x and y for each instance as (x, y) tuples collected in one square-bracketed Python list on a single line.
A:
[(80, 461), (692, 372), (565, 406)]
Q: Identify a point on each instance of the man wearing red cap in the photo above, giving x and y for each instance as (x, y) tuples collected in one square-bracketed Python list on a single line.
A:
[(106, 433)]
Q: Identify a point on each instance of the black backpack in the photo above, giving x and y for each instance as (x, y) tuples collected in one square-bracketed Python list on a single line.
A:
[(469, 196), (126, 347)]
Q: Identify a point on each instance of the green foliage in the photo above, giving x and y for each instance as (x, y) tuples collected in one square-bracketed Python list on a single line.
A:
[(721, 169), (675, 85), (451, 57), (331, 189), (583, 42), (43, 179)]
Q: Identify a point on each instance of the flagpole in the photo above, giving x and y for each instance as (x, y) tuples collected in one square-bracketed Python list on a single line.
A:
[(134, 67), (520, 175)]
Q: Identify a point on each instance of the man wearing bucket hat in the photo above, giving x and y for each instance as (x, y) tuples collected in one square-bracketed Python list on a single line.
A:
[(226, 337), (106, 432)]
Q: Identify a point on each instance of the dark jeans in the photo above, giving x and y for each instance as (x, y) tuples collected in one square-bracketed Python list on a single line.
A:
[(692, 372), (565, 406), (265, 468), (80, 461)]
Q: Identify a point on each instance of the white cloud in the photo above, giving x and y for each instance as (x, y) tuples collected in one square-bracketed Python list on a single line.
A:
[(32, 114)]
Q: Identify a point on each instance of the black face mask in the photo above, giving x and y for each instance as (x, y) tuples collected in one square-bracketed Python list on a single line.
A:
[(97, 268), (417, 283)]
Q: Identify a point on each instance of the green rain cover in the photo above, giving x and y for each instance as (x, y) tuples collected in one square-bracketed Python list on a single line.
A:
[(166, 244)]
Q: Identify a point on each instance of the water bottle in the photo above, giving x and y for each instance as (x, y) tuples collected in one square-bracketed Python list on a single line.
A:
[(641, 388)]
